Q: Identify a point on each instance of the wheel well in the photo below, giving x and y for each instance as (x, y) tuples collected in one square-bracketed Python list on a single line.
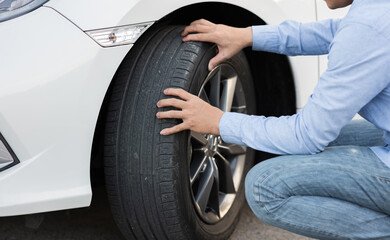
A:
[(273, 79)]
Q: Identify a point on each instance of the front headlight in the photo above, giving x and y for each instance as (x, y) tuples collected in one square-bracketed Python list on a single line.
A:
[(14, 8)]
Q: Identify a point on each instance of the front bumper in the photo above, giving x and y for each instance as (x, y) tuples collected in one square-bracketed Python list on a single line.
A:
[(53, 80)]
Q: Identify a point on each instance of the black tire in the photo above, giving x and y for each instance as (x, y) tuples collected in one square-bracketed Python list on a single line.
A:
[(147, 175)]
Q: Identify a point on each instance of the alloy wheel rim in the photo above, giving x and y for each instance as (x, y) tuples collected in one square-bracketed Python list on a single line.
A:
[(216, 168)]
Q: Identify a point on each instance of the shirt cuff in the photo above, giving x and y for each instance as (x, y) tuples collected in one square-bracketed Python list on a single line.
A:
[(266, 38), (230, 127)]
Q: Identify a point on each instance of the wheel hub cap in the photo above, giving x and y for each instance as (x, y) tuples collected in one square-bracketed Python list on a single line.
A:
[(212, 145)]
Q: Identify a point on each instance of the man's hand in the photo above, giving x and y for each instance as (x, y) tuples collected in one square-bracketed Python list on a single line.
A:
[(197, 115), (230, 40)]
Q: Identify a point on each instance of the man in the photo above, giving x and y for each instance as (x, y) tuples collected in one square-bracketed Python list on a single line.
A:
[(319, 189)]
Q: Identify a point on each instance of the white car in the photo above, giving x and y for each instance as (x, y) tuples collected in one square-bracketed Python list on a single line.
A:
[(79, 82)]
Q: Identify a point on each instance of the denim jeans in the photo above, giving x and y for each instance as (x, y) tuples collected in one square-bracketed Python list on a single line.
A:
[(340, 193)]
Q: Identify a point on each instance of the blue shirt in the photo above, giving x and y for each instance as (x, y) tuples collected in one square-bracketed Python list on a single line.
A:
[(357, 80)]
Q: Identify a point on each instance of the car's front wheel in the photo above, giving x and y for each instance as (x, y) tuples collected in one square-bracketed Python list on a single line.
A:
[(187, 185)]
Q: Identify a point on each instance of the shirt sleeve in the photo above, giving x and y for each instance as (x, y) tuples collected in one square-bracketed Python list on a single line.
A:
[(357, 71), (294, 38)]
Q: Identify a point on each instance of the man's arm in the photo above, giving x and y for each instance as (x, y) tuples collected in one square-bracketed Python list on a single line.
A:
[(290, 38), (357, 72), (294, 38)]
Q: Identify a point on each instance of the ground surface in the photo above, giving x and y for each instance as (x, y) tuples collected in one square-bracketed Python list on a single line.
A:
[(96, 223)]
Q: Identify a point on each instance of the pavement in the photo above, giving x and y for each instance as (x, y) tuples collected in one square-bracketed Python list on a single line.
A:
[(96, 222), (250, 228)]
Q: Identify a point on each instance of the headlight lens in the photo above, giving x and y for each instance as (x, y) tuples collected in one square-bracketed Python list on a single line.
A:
[(14, 8), (110, 37)]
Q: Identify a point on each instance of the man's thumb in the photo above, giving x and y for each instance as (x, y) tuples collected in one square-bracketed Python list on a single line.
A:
[(215, 61)]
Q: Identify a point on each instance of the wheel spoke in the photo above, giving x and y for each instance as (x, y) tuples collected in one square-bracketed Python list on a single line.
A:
[(214, 195), (200, 138), (215, 88), (197, 165), (231, 149), (203, 95), (205, 186), (238, 109), (226, 175), (229, 87)]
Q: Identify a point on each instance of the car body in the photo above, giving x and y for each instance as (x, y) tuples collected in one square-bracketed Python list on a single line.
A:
[(54, 78)]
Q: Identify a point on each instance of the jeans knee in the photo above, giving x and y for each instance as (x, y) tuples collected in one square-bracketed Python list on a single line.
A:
[(252, 194), (261, 192), (255, 189), (251, 191)]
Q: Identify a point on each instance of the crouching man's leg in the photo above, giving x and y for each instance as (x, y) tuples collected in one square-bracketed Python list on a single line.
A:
[(341, 193)]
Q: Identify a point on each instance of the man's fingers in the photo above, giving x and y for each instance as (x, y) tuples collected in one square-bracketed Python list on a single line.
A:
[(196, 28), (200, 25), (170, 114), (199, 37), (202, 21), (177, 128), (179, 93), (171, 102)]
